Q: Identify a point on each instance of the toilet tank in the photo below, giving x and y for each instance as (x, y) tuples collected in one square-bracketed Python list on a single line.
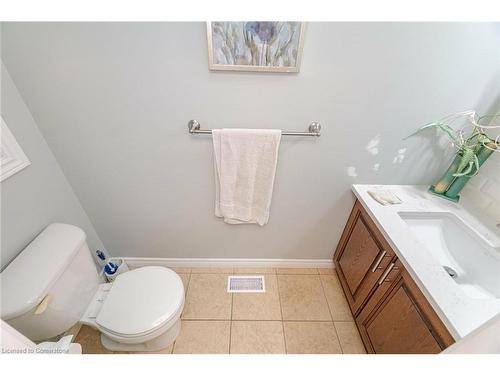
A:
[(46, 289)]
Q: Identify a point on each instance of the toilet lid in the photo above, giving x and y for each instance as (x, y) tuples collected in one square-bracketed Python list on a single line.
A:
[(141, 300)]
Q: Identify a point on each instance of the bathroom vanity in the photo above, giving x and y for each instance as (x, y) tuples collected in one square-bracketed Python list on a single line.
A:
[(401, 290)]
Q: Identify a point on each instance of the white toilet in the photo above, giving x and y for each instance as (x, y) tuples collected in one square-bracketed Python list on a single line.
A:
[(54, 284)]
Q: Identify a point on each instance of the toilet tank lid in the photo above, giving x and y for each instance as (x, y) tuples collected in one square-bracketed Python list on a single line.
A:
[(29, 277)]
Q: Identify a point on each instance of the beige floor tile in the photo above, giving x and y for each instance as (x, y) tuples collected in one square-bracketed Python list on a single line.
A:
[(297, 271), (90, 340), (203, 337), (258, 306), (326, 271), (74, 330), (254, 270), (349, 338), (257, 337), (226, 270), (337, 302), (311, 338), (207, 298), (185, 280), (181, 269), (302, 298)]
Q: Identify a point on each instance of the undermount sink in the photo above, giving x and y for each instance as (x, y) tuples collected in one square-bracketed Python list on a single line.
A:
[(471, 261)]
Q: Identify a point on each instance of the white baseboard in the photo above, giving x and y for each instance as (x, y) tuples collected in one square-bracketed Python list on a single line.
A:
[(227, 262)]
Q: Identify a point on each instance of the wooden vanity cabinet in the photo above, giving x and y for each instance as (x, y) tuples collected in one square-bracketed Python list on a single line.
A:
[(392, 314)]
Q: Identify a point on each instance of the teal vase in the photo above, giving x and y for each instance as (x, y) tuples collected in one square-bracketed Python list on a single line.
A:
[(449, 186), (458, 184)]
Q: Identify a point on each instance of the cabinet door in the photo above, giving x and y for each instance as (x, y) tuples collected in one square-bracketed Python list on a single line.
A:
[(399, 319), (361, 257)]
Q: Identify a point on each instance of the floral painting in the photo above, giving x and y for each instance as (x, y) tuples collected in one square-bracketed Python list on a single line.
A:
[(255, 46)]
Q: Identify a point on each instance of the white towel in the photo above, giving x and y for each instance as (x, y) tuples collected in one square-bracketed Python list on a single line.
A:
[(384, 196), (245, 164)]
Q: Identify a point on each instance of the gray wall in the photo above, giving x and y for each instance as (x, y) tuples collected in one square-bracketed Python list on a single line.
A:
[(39, 194), (113, 101)]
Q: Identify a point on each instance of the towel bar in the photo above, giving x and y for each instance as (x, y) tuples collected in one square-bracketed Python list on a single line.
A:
[(314, 129)]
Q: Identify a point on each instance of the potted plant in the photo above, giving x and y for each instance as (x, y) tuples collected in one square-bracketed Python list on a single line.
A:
[(473, 146)]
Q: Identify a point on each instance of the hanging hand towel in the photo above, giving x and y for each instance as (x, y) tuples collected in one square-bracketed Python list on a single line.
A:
[(245, 164)]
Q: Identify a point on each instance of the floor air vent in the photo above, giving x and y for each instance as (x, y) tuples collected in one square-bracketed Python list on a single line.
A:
[(245, 284)]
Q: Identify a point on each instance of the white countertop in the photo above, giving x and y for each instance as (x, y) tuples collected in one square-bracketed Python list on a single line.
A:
[(460, 313)]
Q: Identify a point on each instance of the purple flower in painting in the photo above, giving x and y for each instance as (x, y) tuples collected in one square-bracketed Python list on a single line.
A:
[(266, 31)]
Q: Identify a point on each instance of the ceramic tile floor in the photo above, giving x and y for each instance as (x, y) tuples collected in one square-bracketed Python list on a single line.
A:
[(304, 310)]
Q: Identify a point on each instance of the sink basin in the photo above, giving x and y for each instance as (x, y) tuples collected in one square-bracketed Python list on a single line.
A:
[(469, 259)]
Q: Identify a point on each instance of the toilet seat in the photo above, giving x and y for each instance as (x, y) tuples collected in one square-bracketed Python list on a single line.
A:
[(141, 305)]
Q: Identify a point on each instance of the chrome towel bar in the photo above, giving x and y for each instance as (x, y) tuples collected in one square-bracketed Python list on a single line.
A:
[(314, 129)]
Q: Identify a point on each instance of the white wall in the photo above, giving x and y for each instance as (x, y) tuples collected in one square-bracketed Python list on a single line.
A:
[(113, 101), (39, 194)]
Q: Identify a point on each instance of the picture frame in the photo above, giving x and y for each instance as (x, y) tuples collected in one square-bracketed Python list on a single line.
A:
[(237, 46), (12, 157)]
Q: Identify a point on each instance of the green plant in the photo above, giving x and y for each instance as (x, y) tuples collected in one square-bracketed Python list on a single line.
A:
[(468, 141)]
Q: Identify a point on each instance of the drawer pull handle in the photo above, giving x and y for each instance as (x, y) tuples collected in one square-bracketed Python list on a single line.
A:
[(379, 260), (382, 279)]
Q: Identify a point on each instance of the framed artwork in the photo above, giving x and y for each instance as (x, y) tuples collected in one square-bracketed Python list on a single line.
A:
[(255, 46), (12, 157)]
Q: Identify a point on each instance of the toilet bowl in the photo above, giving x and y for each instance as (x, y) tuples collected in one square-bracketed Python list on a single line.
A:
[(54, 284), (139, 311)]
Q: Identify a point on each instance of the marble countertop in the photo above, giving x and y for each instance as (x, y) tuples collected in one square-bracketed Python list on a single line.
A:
[(460, 313)]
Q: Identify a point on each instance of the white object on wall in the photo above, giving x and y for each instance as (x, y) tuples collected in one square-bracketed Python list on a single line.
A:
[(12, 157)]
